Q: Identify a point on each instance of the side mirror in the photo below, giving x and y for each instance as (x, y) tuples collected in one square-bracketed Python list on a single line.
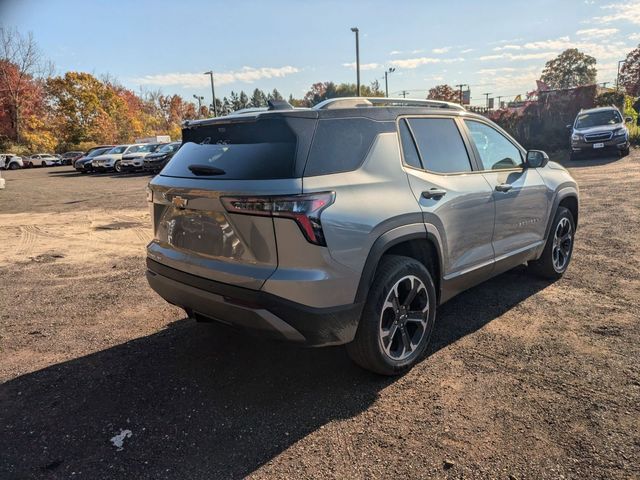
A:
[(569, 127), (628, 119), (536, 159)]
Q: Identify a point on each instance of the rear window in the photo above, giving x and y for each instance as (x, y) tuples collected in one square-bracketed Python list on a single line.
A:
[(258, 150), (341, 144)]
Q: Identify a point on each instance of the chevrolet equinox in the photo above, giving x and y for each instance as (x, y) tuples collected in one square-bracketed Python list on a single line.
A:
[(351, 222)]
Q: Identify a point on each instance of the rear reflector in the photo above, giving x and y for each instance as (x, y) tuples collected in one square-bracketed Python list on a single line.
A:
[(304, 209)]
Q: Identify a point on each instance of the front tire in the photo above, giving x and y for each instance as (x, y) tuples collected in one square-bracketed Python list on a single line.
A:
[(117, 167), (13, 166), (557, 252), (398, 318)]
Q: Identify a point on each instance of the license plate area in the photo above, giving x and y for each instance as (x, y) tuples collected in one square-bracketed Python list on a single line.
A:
[(598, 145)]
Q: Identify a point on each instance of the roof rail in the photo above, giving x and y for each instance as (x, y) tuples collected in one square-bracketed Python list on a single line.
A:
[(357, 102)]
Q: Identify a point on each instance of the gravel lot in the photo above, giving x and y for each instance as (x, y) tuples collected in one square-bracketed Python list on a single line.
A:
[(525, 379)]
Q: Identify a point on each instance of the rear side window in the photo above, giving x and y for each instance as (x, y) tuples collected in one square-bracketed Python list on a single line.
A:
[(341, 144), (440, 145), (258, 150), (409, 151)]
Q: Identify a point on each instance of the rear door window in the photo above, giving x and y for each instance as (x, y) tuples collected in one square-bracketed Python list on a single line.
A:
[(440, 145), (341, 144)]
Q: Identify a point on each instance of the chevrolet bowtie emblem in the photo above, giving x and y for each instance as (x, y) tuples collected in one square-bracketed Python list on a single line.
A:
[(179, 202)]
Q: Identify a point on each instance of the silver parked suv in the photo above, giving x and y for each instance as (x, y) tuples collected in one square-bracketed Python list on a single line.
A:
[(350, 222)]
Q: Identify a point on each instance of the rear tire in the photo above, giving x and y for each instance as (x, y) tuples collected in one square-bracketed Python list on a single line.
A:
[(398, 317), (13, 166), (557, 252)]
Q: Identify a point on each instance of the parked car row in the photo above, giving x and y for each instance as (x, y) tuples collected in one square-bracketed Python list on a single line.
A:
[(133, 157), (127, 158)]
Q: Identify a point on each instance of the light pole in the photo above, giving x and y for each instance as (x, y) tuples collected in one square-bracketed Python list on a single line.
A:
[(356, 31), (199, 99), (213, 93), (487, 99), (386, 81)]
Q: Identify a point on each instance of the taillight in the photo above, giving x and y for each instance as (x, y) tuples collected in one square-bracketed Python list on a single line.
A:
[(304, 209)]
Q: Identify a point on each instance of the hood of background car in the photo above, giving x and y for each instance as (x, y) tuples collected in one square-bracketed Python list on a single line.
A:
[(598, 128), (110, 156), (134, 155), (156, 156)]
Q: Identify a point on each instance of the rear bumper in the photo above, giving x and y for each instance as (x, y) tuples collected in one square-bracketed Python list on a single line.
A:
[(256, 311)]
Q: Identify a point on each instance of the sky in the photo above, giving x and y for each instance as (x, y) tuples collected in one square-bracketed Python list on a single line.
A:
[(495, 47)]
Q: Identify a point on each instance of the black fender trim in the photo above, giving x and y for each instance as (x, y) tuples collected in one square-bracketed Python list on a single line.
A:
[(387, 240)]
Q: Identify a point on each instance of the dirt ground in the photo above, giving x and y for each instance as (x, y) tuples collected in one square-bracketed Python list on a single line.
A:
[(102, 379)]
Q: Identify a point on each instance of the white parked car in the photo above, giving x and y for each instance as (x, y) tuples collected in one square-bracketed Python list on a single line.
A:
[(112, 160), (44, 160), (134, 158), (9, 161)]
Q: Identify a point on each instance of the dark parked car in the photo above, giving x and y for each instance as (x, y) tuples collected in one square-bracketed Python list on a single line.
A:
[(155, 161), (599, 130), (83, 164), (69, 157)]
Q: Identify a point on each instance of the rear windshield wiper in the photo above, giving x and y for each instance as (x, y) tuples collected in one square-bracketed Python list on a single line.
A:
[(206, 170)]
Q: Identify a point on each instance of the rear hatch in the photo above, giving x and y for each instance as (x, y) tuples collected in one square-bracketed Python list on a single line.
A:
[(232, 157)]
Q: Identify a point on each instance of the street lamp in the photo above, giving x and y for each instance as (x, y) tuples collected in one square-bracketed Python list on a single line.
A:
[(356, 31), (386, 81), (213, 93), (199, 99)]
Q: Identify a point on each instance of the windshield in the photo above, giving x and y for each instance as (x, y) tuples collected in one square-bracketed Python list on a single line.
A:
[(118, 149), (172, 147), (594, 119), (98, 151), (146, 147)]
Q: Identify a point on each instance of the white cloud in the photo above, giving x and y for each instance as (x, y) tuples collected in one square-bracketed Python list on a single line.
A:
[(634, 37), (467, 50), (419, 61), (596, 48), (518, 56), (195, 80), (395, 52), (440, 51), (363, 66), (629, 11), (597, 32)]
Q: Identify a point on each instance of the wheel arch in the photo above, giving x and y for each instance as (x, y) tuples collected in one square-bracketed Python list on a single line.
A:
[(416, 241)]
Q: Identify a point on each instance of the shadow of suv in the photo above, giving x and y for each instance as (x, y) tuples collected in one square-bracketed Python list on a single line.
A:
[(350, 222)]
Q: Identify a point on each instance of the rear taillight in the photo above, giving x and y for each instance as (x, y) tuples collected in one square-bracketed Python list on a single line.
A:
[(304, 209)]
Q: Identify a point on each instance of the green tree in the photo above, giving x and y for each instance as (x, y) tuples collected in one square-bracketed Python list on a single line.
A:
[(630, 73), (275, 95), (258, 99), (571, 68)]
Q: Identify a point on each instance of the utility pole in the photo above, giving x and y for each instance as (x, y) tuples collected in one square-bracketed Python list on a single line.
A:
[(404, 93), (604, 84), (199, 99), (213, 93), (357, 32), (460, 85), (386, 81), (499, 97), (487, 98)]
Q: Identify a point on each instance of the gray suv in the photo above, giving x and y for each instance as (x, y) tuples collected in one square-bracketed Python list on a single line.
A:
[(599, 130), (351, 222)]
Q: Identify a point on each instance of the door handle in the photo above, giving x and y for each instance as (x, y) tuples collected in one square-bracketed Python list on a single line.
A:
[(436, 193), (504, 187)]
